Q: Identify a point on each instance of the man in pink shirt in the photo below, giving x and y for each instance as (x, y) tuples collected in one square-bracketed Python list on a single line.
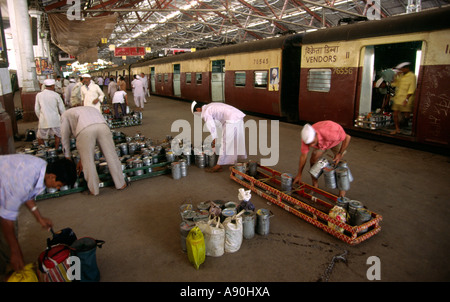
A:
[(322, 136)]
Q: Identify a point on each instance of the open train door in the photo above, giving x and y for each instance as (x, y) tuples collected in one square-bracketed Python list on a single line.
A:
[(176, 80), (377, 91), (218, 81), (152, 80)]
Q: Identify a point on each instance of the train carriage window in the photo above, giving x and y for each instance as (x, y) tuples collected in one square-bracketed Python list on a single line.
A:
[(188, 77), (239, 79), (166, 78), (198, 77), (260, 79), (319, 80), (159, 78)]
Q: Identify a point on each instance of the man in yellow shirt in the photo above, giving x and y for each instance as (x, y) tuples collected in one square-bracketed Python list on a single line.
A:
[(405, 84)]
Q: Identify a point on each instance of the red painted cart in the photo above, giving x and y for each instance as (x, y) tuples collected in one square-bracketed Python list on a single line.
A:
[(307, 202)]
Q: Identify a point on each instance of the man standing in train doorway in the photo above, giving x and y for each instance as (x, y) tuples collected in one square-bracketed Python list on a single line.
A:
[(226, 125), (405, 84), (321, 137)]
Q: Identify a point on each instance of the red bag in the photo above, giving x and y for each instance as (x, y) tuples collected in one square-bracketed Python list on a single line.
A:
[(53, 264)]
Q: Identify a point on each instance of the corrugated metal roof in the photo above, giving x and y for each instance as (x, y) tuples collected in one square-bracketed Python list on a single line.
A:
[(164, 24)]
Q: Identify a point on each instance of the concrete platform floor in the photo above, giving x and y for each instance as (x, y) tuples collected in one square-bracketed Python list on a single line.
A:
[(140, 225)]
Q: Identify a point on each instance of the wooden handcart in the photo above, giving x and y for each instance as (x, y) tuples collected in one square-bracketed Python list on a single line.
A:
[(307, 202)]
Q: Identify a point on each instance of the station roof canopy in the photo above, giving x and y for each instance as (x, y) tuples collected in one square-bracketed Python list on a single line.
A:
[(184, 24)]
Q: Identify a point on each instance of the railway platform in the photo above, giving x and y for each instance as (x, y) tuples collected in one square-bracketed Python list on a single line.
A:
[(141, 225)]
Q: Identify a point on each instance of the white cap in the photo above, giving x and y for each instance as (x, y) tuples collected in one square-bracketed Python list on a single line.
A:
[(49, 82), (401, 65), (378, 83), (308, 134), (72, 81), (86, 75)]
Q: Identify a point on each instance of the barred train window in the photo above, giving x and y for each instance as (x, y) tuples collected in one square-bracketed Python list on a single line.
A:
[(239, 79), (188, 78), (261, 79), (319, 80), (166, 77), (198, 78)]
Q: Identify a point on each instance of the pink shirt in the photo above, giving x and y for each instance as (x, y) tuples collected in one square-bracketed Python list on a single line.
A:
[(329, 134)]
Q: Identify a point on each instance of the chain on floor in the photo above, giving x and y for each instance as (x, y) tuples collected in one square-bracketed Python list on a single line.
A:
[(341, 257)]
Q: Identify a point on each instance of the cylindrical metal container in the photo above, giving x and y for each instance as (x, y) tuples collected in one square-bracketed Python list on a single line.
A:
[(132, 147), (241, 168), (330, 178), (344, 164), (138, 164), (211, 159), (317, 169), (176, 171), (183, 167), (200, 160), (248, 223), (343, 202), (342, 179), (362, 216), (252, 168), (353, 207), (185, 228), (103, 168), (170, 156), (286, 182), (263, 222)]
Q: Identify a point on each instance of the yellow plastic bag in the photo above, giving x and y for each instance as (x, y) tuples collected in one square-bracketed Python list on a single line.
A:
[(26, 275), (195, 244)]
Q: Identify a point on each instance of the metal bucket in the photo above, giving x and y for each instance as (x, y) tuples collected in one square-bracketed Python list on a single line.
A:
[(241, 168), (200, 160), (170, 156), (330, 177), (353, 207), (263, 221), (344, 164), (138, 164), (249, 223), (343, 202), (317, 169), (286, 182), (185, 228), (252, 168), (176, 171), (183, 167), (362, 216), (211, 160), (342, 179)]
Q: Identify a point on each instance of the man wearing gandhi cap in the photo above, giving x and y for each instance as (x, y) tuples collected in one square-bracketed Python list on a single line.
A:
[(48, 108), (405, 87), (321, 137), (91, 94)]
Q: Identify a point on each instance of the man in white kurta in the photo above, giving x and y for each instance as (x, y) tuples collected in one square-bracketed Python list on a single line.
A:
[(89, 128), (68, 92), (144, 79), (139, 93), (91, 94), (226, 125), (48, 108)]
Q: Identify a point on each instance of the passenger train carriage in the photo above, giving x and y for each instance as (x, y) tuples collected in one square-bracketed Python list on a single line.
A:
[(328, 74)]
